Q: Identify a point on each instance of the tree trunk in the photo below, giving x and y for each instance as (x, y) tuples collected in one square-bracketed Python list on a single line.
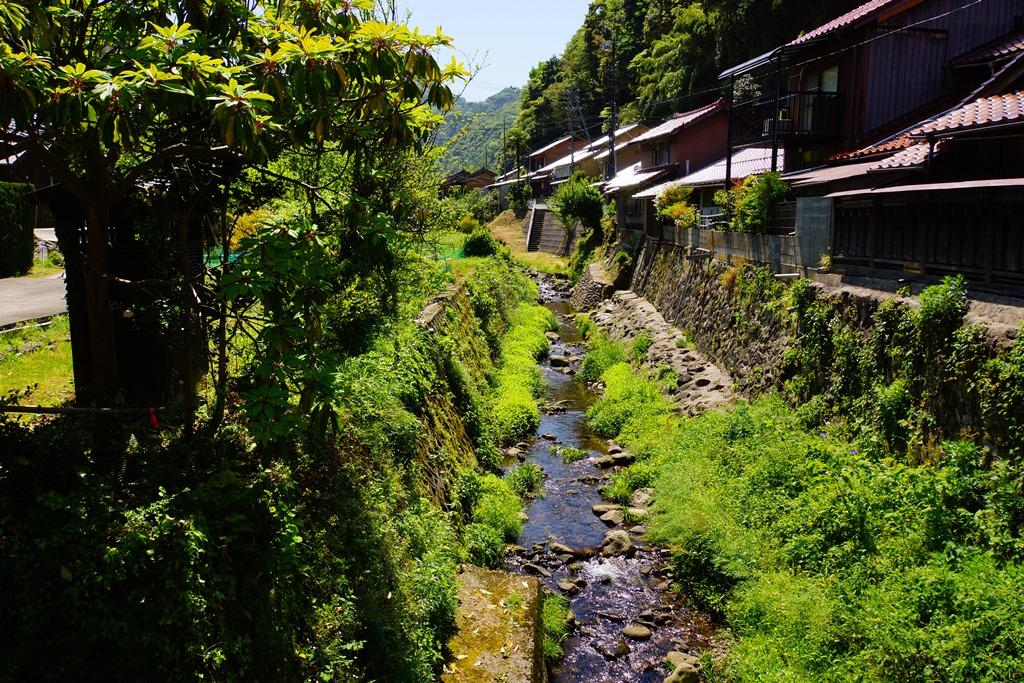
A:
[(97, 300)]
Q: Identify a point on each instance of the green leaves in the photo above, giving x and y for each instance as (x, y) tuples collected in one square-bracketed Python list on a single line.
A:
[(287, 274)]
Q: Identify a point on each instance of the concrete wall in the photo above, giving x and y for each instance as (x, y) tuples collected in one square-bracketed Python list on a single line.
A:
[(798, 253)]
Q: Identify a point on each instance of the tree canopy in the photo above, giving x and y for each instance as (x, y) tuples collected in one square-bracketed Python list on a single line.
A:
[(110, 95)]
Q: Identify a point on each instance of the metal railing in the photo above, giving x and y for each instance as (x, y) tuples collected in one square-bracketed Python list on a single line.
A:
[(797, 113)]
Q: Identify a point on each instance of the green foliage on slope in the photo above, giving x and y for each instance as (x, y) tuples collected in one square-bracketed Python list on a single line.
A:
[(472, 133), (873, 533), (657, 57)]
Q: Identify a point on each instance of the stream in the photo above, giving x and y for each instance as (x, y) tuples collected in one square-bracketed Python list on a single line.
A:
[(607, 594)]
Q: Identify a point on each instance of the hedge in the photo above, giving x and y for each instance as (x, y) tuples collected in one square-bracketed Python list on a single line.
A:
[(16, 227)]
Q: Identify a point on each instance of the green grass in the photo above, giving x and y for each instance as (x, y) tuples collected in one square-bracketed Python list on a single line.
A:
[(49, 369), (828, 564), (520, 381), (555, 624)]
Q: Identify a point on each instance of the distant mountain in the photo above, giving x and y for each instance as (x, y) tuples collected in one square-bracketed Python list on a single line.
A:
[(473, 130)]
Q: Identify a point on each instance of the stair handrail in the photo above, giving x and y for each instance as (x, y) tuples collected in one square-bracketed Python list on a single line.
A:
[(529, 225)]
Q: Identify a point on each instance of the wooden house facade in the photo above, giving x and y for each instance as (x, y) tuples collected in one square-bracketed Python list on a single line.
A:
[(686, 142), (868, 73)]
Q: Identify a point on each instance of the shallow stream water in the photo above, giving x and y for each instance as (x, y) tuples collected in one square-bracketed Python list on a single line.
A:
[(617, 592)]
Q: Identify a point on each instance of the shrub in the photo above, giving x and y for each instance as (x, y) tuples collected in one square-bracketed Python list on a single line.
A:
[(755, 201), (673, 205), (519, 380), (603, 354), (499, 508), (16, 228), (625, 482), (485, 545), (516, 416), (585, 325), (519, 197), (468, 224), (576, 200), (641, 343), (526, 480), (480, 243)]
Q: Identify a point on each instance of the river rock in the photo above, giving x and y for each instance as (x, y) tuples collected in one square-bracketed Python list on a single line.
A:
[(29, 347), (638, 530), (614, 649), (549, 437), (613, 517), (637, 513), (642, 498), (614, 460), (617, 542), (559, 361), (552, 336), (537, 569), (563, 549), (637, 632), (514, 452), (611, 616), (685, 668), (568, 587), (614, 448), (602, 508)]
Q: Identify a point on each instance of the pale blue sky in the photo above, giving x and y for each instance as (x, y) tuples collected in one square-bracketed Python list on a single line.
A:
[(509, 37)]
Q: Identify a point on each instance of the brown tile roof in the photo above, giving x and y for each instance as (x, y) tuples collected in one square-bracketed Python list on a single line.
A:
[(984, 111), (679, 121), (847, 19), (912, 156), (1006, 46), (890, 145)]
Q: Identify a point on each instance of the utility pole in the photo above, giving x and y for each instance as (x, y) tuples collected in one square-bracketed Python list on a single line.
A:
[(609, 46), (572, 131)]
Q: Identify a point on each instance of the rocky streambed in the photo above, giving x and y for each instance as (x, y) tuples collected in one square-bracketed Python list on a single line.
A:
[(629, 624)]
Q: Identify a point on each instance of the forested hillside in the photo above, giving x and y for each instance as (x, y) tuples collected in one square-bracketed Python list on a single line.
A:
[(656, 57), (472, 131)]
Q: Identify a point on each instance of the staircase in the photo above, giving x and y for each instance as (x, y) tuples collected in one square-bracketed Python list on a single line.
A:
[(546, 232), (536, 228)]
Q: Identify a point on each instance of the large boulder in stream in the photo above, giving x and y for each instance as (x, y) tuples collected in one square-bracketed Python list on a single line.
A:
[(617, 542)]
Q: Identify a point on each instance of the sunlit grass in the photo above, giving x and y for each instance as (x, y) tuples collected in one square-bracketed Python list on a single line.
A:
[(508, 229), (48, 368)]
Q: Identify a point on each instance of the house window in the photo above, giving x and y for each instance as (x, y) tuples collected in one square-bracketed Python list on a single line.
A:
[(634, 207), (660, 154)]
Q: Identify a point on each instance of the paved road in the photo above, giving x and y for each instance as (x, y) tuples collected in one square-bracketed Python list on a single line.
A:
[(27, 298)]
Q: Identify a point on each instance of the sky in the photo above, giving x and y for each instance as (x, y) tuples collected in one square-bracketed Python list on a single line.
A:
[(507, 38)]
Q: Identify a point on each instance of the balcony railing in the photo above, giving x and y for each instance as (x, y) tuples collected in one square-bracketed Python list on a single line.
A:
[(806, 114)]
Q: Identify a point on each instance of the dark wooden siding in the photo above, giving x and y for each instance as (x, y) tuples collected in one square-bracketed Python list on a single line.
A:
[(976, 232), (906, 69), (969, 25)]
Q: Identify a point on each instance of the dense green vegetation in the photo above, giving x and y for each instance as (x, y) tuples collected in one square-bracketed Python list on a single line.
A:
[(16, 234), (472, 133), (656, 57), (872, 533), (326, 557)]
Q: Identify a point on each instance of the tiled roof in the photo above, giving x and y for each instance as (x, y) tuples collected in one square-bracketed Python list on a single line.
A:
[(984, 111), (890, 145), (554, 144), (679, 121), (569, 159), (745, 162), (912, 156), (847, 19), (1006, 46), (635, 176)]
